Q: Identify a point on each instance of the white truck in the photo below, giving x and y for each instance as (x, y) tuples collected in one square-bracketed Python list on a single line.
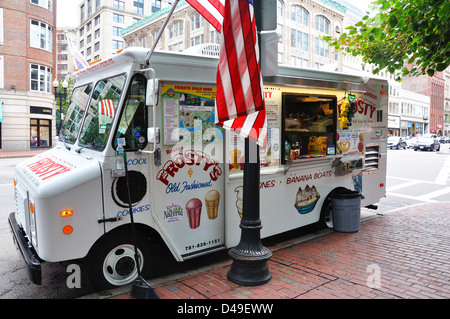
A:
[(327, 134)]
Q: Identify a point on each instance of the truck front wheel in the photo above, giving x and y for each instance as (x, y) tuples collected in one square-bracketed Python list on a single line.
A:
[(111, 262)]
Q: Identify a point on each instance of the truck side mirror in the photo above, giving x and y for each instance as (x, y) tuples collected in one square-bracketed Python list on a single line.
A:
[(153, 135), (151, 98)]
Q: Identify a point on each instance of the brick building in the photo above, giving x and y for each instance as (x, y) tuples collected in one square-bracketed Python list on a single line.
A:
[(27, 64), (434, 87)]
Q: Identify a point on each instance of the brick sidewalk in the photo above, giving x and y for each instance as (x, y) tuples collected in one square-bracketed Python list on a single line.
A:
[(401, 255)]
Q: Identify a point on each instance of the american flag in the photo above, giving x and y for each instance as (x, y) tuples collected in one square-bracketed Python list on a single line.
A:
[(78, 59), (239, 97), (107, 108)]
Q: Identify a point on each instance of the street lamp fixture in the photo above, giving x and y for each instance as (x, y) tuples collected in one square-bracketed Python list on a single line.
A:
[(60, 95)]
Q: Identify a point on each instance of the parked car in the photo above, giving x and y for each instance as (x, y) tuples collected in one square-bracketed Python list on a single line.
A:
[(412, 142), (427, 144), (396, 142), (444, 140)]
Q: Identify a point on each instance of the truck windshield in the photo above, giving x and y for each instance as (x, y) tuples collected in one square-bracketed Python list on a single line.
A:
[(75, 113), (101, 111)]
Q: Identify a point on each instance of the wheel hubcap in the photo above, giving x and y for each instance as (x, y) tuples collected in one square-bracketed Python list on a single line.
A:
[(119, 266)]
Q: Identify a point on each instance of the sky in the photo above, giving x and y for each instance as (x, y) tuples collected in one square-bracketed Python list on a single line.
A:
[(67, 15)]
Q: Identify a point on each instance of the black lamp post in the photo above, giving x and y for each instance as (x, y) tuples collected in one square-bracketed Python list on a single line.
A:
[(60, 95), (249, 267)]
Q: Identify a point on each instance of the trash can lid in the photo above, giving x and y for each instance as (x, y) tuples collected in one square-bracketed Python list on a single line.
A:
[(347, 195)]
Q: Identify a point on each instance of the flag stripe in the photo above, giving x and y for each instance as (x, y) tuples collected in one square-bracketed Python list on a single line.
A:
[(239, 96), (211, 10), (78, 59), (107, 108)]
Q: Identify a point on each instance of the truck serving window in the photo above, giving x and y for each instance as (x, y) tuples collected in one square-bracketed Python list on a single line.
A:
[(101, 111), (133, 120), (75, 113)]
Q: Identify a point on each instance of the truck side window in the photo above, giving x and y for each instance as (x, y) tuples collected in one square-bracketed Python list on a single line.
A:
[(133, 119), (102, 108), (75, 113)]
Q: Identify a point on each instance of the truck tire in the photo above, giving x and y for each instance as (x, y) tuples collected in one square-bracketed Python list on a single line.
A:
[(326, 213), (111, 263)]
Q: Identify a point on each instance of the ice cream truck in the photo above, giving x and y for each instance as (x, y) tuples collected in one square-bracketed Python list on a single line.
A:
[(326, 134)]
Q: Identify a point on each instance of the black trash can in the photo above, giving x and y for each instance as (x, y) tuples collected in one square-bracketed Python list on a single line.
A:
[(346, 210)]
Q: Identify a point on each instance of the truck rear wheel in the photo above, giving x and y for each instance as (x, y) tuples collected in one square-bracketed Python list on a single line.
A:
[(111, 262), (326, 214)]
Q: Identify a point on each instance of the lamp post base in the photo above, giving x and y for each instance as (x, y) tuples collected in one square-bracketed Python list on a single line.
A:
[(249, 267)]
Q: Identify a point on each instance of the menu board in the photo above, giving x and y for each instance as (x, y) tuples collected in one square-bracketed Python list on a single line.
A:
[(188, 114), (270, 154)]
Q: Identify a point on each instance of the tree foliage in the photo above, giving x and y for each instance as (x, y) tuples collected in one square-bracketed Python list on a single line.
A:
[(400, 33)]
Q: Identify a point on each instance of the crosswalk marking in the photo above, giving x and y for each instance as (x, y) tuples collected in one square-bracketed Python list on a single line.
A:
[(442, 177)]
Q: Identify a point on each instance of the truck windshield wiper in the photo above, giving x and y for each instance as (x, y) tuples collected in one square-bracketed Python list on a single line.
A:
[(64, 140)]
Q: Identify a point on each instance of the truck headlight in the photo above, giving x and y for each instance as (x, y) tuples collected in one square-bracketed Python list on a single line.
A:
[(33, 230)]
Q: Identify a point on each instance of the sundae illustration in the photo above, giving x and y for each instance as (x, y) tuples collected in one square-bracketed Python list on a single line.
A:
[(212, 203), (238, 190), (194, 210), (306, 199)]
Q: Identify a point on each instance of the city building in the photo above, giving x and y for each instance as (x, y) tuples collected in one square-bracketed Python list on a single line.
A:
[(300, 27), (65, 66), (27, 68), (447, 102), (433, 87), (415, 112), (101, 23)]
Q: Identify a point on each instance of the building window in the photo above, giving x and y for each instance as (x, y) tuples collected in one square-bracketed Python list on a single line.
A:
[(197, 40), (176, 29), (41, 36), (297, 61), (119, 5), (138, 7), (321, 47), (48, 4), (97, 20), (214, 37), (299, 15), (280, 29), (116, 31), (322, 24), (82, 13), (156, 5), (176, 47), (118, 18), (197, 21), (97, 46), (40, 133), (280, 8), (117, 45), (97, 33), (40, 78), (299, 40)]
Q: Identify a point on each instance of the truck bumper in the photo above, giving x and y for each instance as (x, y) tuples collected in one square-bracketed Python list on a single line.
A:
[(28, 254)]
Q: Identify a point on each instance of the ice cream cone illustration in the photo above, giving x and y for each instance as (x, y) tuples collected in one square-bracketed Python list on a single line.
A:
[(194, 210), (212, 203), (235, 156)]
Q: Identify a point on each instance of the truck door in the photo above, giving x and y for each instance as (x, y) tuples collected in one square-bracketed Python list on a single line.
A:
[(189, 183), (132, 125)]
